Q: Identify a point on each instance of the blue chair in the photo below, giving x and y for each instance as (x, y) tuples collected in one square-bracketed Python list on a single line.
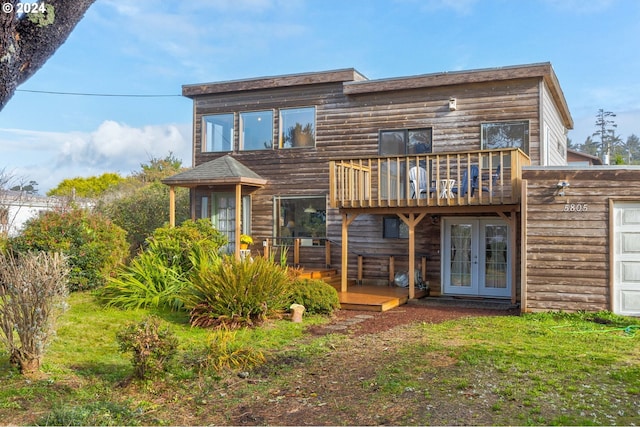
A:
[(464, 186), (475, 180)]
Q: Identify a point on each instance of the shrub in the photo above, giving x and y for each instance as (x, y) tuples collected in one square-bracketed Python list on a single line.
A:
[(176, 244), (152, 345), (146, 283), (93, 245), (33, 292), (157, 276), (233, 293), (317, 296)]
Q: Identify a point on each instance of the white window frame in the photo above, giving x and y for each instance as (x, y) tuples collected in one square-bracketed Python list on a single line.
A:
[(208, 145)]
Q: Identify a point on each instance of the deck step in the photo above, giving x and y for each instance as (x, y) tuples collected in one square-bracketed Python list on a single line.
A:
[(368, 302)]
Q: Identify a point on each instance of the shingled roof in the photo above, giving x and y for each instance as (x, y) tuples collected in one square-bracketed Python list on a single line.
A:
[(221, 171)]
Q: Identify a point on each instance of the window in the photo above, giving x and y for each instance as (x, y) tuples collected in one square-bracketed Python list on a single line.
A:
[(405, 141), (303, 217), (394, 228), (257, 130), (506, 135), (217, 133), (297, 127)]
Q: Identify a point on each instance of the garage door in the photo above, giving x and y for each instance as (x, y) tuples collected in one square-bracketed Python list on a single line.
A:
[(626, 274)]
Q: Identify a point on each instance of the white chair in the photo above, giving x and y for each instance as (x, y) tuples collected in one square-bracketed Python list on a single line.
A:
[(418, 182)]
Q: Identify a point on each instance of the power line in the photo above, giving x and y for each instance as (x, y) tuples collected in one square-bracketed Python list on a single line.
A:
[(113, 95)]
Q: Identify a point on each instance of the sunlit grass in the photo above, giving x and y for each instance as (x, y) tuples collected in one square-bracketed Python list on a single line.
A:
[(527, 370), (547, 368)]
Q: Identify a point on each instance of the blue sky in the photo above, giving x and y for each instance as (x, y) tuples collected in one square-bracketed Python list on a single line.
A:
[(153, 47)]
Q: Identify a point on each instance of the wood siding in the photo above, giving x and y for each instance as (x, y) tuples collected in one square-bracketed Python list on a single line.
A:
[(349, 117), (567, 237), (553, 134)]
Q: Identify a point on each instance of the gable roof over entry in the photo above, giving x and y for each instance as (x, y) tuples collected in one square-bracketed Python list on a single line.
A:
[(221, 171)]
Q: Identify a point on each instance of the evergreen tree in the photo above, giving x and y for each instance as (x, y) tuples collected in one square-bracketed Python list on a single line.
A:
[(606, 131)]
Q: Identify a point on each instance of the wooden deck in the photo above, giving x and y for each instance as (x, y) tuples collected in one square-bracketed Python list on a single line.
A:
[(374, 298), (364, 297)]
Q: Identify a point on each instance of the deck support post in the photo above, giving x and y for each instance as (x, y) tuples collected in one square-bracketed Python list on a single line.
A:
[(238, 228), (296, 252), (392, 269), (327, 253), (412, 220), (346, 221), (360, 260), (266, 248), (172, 206)]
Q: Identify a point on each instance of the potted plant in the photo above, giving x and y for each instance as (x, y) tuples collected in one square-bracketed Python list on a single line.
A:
[(245, 241)]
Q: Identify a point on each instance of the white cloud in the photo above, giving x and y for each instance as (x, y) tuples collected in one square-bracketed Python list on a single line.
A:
[(50, 157)]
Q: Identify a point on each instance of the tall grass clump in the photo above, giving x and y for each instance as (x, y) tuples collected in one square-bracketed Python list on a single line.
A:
[(33, 292), (156, 277), (224, 350), (145, 283), (234, 293)]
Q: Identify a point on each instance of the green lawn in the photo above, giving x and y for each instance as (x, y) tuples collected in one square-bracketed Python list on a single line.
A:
[(534, 369)]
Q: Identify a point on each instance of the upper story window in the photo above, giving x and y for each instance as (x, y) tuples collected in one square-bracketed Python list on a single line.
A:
[(506, 135), (217, 133), (405, 141), (297, 127), (256, 130)]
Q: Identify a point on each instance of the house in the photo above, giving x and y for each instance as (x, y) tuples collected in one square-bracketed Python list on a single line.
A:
[(578, 158), (420, 174), (17, 207)]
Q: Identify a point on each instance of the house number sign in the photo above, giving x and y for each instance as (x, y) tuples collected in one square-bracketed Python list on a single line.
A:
[(575, 207)]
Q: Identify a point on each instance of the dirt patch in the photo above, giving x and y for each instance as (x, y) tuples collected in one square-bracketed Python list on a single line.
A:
[(341, 387), (375, 322)]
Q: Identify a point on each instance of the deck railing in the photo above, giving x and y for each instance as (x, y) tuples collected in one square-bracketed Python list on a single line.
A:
[(483, 177)]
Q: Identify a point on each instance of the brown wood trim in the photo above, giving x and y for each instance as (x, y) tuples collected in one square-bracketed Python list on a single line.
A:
[(523, 248), (333, 76), (612, 250), (540, 71)]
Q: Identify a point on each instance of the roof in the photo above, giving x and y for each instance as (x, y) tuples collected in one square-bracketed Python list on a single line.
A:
[(574, 155), (221, 171), (288, 80)]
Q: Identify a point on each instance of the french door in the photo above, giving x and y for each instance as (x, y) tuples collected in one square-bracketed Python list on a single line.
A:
[(476, 257), (221, 208)]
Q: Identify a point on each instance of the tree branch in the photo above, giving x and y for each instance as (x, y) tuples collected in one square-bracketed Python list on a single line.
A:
[(28, 41)]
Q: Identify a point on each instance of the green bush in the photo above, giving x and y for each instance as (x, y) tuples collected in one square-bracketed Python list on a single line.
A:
[(176, 244), (233, 293), (157, 276), (142, 210), (92, 245), (151, 344), (145, 283), (317, 296)]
